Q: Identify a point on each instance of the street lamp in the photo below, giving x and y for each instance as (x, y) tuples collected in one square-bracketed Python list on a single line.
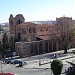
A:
[(39, 60), (1, 65)]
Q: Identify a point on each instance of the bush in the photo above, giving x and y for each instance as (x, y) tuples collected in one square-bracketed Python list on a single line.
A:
[(56, 67)]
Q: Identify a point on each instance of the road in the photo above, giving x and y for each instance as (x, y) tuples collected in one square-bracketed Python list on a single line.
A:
[(33, 68), (25, 71)]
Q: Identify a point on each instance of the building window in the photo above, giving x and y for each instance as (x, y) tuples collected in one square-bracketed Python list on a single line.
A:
[(41, 29), (19, 22), (29, 30), (19, 36)]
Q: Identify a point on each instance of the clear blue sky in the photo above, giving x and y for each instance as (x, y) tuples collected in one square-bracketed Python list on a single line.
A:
[(34, 10)]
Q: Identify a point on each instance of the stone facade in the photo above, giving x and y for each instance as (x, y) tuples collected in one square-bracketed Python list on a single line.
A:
[(34, 48), (24, 30), (64, 20), (34, 39)]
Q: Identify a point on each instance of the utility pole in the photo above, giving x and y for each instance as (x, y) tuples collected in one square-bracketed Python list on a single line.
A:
[(1, 65)]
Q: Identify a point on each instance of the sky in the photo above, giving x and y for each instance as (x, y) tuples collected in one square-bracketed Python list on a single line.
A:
[(37, 10)]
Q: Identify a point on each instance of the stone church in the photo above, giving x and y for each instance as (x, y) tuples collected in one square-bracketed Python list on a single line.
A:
[(31, 39)]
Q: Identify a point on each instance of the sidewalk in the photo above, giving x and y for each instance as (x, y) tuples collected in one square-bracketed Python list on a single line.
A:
[(45, 63), (35, 63)]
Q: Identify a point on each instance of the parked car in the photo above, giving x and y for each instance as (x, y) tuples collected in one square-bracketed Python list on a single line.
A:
[(7, 74), (7, 61), (15, 61), (21, 63)]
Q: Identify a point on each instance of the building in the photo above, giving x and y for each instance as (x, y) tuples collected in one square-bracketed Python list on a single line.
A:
[(64, 20), (34, 39)]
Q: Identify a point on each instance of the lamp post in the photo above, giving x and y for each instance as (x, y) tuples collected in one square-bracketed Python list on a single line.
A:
[(52, 40), (39, 57), (1, 65)]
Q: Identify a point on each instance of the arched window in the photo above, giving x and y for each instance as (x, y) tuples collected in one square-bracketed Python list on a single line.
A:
[(29, 30), (19, 37), (41, 29), (19, 22)]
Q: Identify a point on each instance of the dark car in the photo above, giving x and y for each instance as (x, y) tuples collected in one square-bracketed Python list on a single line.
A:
[(21, 63), (15, 61), (7, 61)]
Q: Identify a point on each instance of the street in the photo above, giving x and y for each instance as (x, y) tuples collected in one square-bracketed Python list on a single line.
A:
[(33, 68)]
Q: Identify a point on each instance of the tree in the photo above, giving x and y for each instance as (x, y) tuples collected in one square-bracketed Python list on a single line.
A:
[(56, 67), (5, 42), (0, 46), (12, 43), (64, 34)]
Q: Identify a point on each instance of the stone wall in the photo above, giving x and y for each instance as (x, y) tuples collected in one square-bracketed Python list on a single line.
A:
[(25, 49)]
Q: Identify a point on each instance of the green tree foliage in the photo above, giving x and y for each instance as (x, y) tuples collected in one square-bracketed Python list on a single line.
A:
[(56, 67), (0, 46), (73, 33), (5, 43), (12, 43)]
